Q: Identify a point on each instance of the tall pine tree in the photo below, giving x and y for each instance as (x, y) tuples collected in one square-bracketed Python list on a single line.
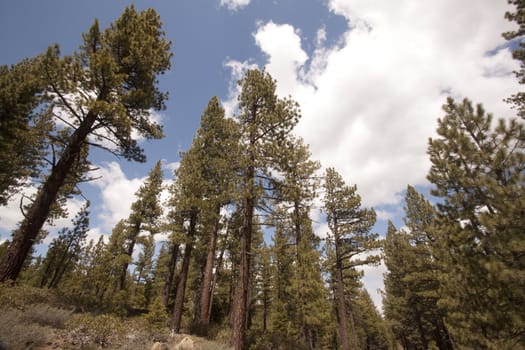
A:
[(478, 170), (351, 242), (265, 123)]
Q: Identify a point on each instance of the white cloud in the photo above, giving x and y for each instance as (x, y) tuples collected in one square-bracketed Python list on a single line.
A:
[(370, 104), (235, 5), (383, 214), (117, 192), (11, 215), (94, 234), (373, 282), (282, 45), (170, 167)]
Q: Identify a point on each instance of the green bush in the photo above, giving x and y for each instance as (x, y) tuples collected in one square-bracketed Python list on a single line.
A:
[(102, 330), (23, 295)]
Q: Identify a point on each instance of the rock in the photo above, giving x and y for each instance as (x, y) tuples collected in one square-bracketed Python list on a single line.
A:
[(160, 346), (185, 344)]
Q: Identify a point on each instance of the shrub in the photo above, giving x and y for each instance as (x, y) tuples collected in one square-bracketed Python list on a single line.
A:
[(17, 333), (102, 330), (46, 315), (23, 295)]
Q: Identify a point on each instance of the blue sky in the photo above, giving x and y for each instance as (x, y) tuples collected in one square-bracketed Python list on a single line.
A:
[(370, 76)]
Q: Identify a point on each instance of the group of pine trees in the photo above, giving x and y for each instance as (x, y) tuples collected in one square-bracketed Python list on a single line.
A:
[(239, 254)]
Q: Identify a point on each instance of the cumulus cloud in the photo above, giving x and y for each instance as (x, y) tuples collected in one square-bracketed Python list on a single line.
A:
[(282, 45), (370, 103), (117, 192), (235, 5)]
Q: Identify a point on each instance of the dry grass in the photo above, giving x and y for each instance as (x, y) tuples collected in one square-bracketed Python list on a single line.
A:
[(16, 332)]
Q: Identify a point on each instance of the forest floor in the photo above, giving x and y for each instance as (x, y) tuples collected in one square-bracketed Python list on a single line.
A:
[(32, 318)]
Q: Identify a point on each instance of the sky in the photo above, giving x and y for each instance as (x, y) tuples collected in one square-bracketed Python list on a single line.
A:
[(370, 77)]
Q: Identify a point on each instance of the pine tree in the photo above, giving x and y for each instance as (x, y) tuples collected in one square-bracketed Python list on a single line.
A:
[(412, 284), (89, 275), (23, 126), (186, 195), (213, 155), (143, 280), (64, 251), (283, 257), (171, 263), (145, 212), (479, 172), (265, 288), (395, 304), (372, 329), (113, 80), (352, 243), (265, 122), (300, 305), (307, 286), (421, 279), (109, 266)]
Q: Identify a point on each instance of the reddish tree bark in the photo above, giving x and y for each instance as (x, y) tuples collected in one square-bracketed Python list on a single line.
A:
[(25, 236), (240, 301), (206, 293), (174, 252), (183, 277)]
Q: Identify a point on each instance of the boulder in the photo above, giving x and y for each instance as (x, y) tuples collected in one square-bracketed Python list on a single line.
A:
[(160, 346), (185, 344)]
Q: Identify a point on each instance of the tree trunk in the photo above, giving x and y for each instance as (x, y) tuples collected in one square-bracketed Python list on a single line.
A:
[(240, 302), (129, 252), (355, 338), (214, 280), (174, 252), (341, 309), (183, 277), (59, 273), (204, 318), (443, 339), (25, 236), (421, 330)]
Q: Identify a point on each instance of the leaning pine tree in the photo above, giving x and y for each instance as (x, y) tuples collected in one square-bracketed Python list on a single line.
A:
[(102, 93)]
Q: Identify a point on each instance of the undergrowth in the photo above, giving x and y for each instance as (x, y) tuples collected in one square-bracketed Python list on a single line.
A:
[(38, 318)]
